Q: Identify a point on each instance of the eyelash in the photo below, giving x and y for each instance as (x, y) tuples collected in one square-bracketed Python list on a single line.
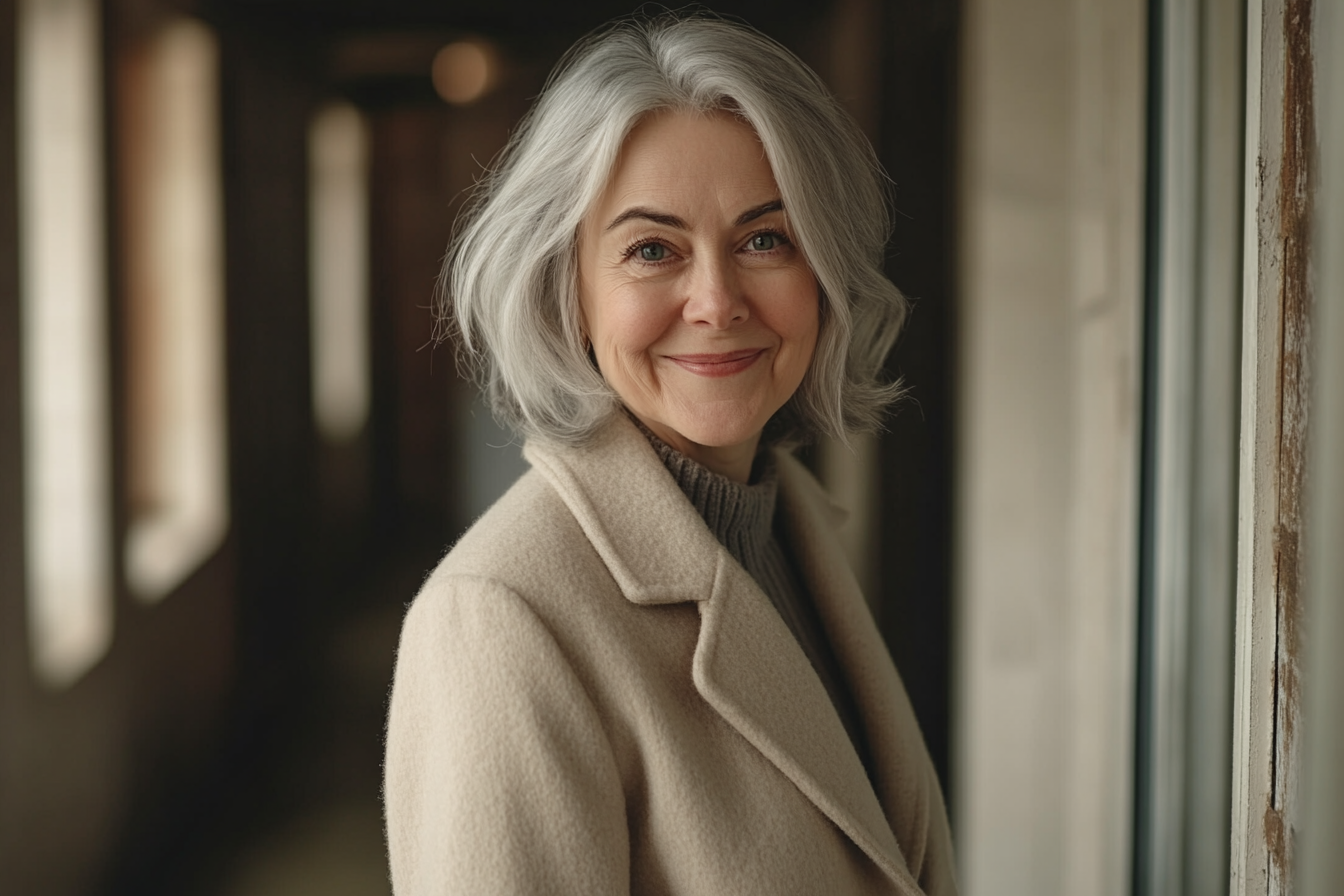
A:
[(779, 235), (634, 247)]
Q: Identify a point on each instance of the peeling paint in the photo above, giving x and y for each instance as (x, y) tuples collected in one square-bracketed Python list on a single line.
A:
[(1297, 178), (1275, 837)]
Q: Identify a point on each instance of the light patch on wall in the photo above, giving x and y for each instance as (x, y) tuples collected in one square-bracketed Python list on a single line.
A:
[(65, 414), (338, 270), (175, 326)]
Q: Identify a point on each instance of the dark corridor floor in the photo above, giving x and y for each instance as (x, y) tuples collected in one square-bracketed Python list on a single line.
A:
[(319, 831), (331, 840)]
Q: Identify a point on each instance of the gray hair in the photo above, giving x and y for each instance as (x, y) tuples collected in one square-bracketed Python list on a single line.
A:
[(509, 286)]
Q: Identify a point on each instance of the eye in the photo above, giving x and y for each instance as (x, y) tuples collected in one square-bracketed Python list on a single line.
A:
[(766, 241), (652, 252)]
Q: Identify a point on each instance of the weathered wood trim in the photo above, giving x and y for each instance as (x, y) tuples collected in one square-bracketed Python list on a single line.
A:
[(1321, 865), (1295, 195), (1276, 380)]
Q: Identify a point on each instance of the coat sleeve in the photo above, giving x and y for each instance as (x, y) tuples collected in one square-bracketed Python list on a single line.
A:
[(499, 777)]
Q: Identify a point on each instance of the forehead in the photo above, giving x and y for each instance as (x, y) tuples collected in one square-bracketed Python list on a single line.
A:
[(673, 156)]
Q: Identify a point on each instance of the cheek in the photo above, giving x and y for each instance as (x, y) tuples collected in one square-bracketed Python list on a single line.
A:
[(796, 317), (627, 321)]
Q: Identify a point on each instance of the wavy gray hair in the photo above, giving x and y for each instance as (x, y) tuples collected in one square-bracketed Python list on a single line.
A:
[(509, 286)]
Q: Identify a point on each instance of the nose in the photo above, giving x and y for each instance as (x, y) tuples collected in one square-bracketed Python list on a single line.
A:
[(716, 298)]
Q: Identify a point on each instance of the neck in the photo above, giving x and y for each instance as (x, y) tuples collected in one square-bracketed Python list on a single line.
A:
[(730, 461)]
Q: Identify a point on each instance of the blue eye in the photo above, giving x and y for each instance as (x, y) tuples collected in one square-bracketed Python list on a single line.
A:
[(764, 242), (652, 252)]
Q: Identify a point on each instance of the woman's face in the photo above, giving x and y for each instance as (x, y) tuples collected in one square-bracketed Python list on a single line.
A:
[(701, 309)]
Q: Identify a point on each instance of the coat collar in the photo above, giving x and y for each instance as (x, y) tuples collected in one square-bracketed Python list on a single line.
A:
[(747, 664), (649, 536)]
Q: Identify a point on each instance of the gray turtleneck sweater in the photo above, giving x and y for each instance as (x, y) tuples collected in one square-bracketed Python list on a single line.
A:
[(743, 518)]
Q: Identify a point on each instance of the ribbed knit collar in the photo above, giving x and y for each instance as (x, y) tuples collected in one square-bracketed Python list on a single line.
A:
[(740, 515)]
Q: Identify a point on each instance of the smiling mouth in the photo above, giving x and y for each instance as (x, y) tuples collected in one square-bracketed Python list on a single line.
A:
[(724, 364)]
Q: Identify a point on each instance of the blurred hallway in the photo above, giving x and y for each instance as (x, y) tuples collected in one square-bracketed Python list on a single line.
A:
[(255, 198), (231, 447)]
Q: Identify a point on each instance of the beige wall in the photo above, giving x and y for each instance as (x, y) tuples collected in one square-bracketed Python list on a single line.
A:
[(1051, 237)]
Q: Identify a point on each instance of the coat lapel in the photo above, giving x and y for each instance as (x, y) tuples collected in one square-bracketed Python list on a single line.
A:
[(747, 664), (749, 667), (635, 517), (901, 773)]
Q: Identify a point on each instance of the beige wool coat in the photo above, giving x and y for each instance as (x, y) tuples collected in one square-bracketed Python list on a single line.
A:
[(593, 697)]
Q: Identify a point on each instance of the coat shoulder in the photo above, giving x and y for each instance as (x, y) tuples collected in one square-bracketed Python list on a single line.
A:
[(528, 522), (528, 543)]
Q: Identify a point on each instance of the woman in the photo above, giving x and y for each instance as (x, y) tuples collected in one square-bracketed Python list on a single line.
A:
[(647, 668)]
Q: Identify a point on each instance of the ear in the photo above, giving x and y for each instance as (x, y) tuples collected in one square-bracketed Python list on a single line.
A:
[(585, 340), (572, 267)]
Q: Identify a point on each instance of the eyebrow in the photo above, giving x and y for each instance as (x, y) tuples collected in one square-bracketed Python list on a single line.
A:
[(663, 218)]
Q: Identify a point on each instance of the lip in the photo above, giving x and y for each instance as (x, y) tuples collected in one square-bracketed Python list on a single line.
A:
[(720, 364)]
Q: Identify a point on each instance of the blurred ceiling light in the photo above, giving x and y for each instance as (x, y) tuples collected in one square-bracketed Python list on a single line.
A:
[(464, 71), (67, 506)]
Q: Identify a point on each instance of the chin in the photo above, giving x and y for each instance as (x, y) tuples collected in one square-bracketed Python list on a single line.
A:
[(719, 427)]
